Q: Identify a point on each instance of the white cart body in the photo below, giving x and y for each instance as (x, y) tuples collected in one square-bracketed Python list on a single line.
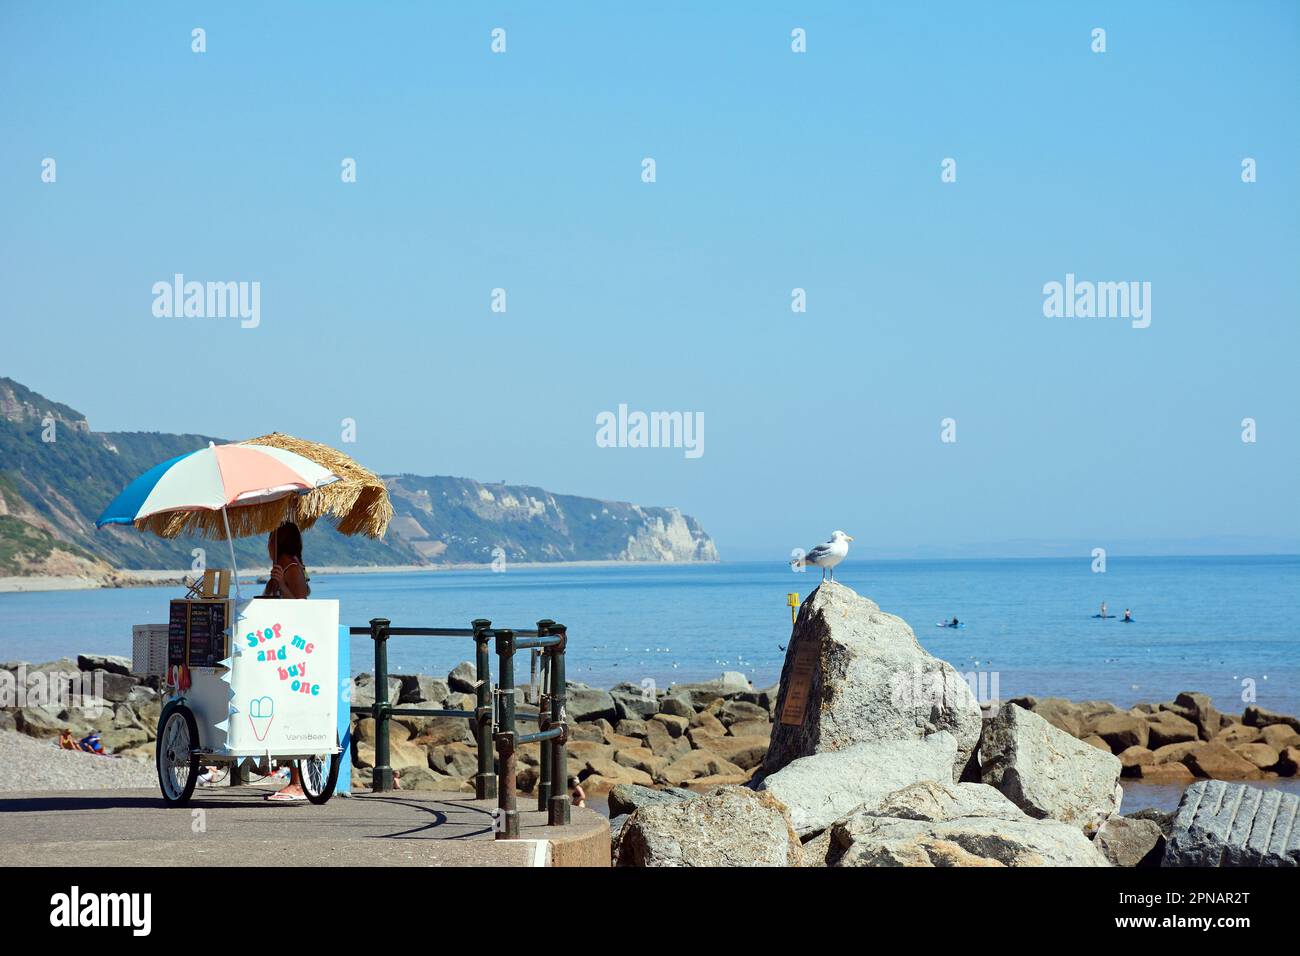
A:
[(282, 695)]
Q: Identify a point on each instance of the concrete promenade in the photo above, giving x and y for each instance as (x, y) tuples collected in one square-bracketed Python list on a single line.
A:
[(224, 826)]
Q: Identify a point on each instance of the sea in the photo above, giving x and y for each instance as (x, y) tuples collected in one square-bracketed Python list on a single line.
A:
[(1226, 626)]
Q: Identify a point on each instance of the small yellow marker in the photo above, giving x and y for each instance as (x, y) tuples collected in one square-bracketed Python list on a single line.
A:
[(792, 600)]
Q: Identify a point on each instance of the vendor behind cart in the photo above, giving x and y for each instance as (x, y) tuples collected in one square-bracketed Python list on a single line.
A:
[(288, 576), (288, 580)]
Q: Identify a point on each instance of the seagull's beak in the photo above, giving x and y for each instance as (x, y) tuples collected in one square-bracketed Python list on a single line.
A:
[(848, 537)]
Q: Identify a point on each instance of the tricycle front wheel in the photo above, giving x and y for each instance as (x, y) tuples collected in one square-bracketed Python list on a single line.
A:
[(177, 754)]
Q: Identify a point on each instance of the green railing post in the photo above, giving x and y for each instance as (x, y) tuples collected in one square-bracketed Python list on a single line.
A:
[(382, 779), (485, 781), (544, 721), (559, 815), (507, 823), (532, 675)]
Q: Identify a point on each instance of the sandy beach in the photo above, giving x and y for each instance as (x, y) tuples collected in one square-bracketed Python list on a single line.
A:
[(155, 577)]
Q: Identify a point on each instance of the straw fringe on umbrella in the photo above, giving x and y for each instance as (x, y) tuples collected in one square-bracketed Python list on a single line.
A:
[(358, 500)]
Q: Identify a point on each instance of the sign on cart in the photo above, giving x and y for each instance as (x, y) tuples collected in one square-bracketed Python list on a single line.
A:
[(285, 677)]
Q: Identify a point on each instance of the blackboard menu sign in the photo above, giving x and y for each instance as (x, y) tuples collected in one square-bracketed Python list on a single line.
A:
[(196, 633), (207, 638), (220, 622), (176, 630)]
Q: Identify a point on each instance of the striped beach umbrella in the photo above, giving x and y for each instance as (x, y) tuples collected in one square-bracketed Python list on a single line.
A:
[(248, 481)]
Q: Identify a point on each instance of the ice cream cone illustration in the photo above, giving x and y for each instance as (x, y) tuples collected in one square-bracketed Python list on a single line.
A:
[(261, 711)]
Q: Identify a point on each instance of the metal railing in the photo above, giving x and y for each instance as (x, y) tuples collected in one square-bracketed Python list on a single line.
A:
[(494, 720)]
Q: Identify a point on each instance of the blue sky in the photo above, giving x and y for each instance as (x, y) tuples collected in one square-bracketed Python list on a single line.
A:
[(774, 171)]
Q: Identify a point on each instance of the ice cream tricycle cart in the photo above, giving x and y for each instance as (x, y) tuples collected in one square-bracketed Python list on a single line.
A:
[(250, 681), (254, 680)]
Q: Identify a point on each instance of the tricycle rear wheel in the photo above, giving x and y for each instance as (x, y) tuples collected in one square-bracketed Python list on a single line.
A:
[(320, 775)]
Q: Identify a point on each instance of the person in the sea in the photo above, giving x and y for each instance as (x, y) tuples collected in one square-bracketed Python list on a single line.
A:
[(577, 796), (1127, 615), (288, 580), (954, 623), (1103, 609)]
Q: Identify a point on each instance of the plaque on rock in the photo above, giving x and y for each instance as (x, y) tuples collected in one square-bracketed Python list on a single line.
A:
[(800, 684)]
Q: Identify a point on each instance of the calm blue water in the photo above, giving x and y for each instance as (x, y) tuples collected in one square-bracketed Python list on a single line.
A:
[(1203, 624)]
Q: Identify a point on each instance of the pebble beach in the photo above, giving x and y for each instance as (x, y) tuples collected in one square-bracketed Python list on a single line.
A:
[(30, 763)]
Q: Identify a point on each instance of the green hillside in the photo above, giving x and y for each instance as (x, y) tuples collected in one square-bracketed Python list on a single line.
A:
[(52, 491)]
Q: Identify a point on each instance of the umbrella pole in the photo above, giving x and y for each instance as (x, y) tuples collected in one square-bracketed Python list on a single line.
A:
[(234, 568)]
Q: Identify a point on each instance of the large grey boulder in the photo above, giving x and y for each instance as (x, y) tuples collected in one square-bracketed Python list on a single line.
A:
[(819, 789), (625, 798), (937, 801), (765, 698), (589, 703), (1046, 772), (463, 678), (615, 828), (1130, 841), (633, 703), (1259, 717), (363, 690), (422, 689), (728, 826), (109, 686), (51, 684), (1060, 713), (1120, 731), (1167, 727), (933, 823), (734, 712), (39, 721), (677, 704), (1201, 712), (730, 686), (1163, 820), (105, 662), (866, 678), (1231, 824), (864, 840)]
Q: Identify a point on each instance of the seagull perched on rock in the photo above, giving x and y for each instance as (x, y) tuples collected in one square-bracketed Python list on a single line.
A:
[(829, 554)]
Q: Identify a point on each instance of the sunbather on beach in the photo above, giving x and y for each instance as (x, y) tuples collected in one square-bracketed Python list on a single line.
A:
[(288, 580), (91, 744), (65, 740)]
